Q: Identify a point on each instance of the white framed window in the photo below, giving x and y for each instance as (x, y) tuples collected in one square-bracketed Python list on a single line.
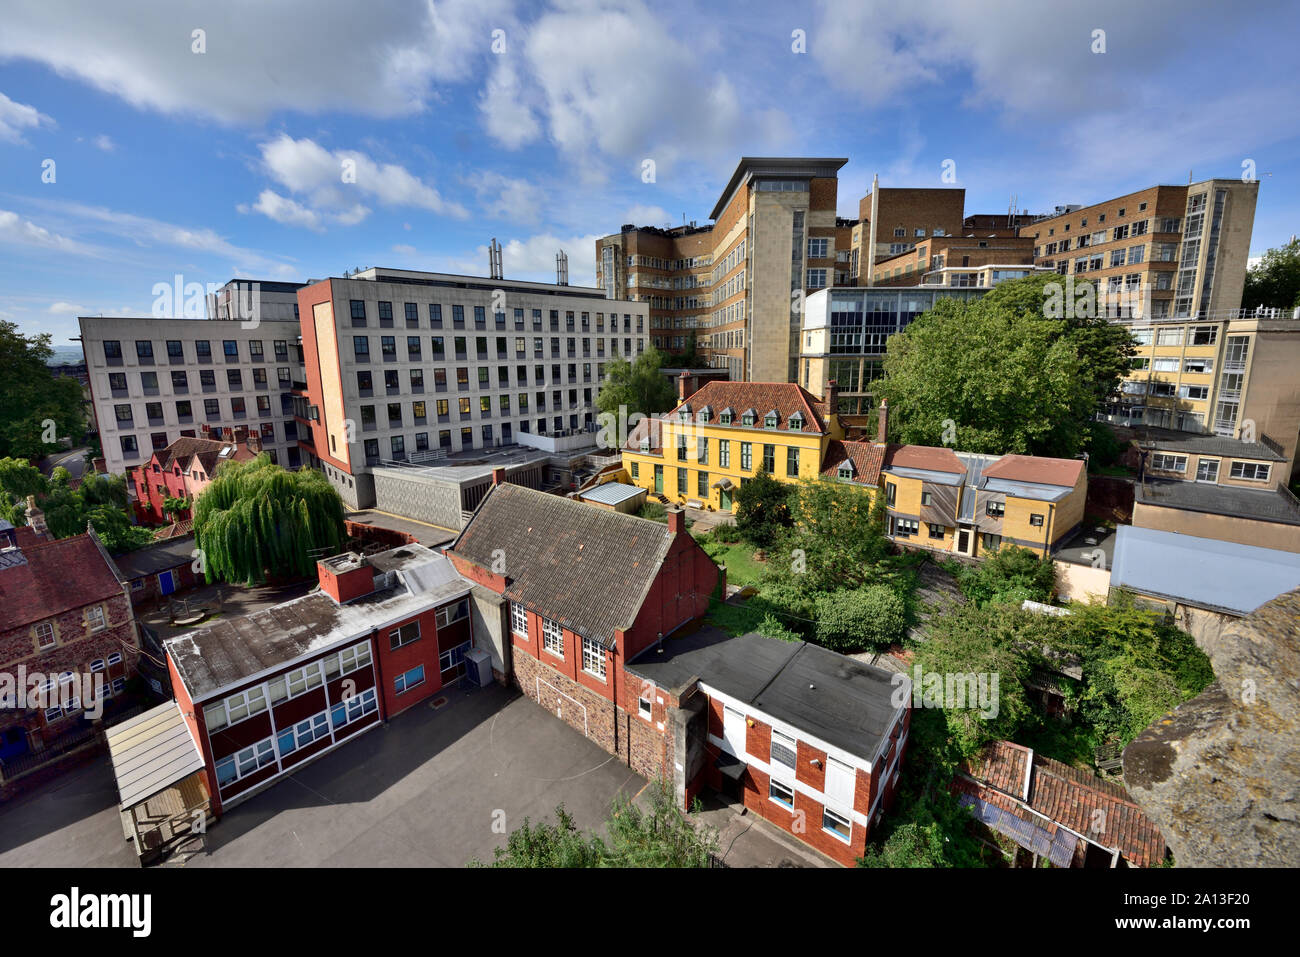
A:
[(645, 708), (518, 619), (452, 613), (553, 637), (95, 618), (245, 762), (350, 709), (97, 665), (593, 658), (404, 635), (1250, 471), (781, 793), (407, 681), (45, 635), (837, 824), (115, 659), (303, 733), (304, 679), (1161, 462)]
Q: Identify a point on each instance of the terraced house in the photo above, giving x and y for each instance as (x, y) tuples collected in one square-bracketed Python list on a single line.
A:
[(699, 454)]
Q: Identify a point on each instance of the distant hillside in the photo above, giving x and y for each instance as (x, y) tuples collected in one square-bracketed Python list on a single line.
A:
[(66, 354)]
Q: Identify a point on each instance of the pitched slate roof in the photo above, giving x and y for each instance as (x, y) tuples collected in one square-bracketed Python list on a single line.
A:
[(587, 568), (867, 457), (651, 428), (1037, 469), (784, 398), (54, 577), (1066, 796)]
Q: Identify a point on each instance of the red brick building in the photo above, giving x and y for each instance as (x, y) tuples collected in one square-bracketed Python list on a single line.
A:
[(184, 469), (806, 738), (66, 624), (589, 589), (264, 694)]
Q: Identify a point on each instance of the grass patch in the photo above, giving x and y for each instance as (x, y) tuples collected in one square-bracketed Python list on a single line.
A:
[(742, 568)]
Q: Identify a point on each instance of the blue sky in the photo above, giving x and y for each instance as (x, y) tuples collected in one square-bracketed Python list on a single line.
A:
[(471, 119)]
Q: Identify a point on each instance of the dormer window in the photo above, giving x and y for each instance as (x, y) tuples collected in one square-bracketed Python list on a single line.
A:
[(704, 414), (748, 417), (845, 471), (770, 420), (795, 423), (645, 445), (725, 416), (685, 413)]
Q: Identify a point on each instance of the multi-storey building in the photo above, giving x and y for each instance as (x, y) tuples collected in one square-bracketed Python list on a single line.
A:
[(893, 221), (68, 645), (246, 299), (738, 284), (1181, 250), (405, 366), (961, 261), (1232, 376), (184, 469), (153, 381), (844, 335)]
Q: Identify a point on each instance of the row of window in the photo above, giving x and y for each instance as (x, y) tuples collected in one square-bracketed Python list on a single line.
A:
[(95, 620), (393, 385), (124, 413), (465, 408), (748, 418), (593, 654), (180, 381), (175, 350), (1208, 469), (358, 312), (257, 756), (251, 701), (74, 704), (502, 350)]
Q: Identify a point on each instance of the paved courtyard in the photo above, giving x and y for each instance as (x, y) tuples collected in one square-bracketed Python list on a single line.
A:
[(423, 792)]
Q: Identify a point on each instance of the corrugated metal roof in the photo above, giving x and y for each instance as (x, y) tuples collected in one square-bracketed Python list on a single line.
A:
[(1203, 572), (611, 493), (151, 752)]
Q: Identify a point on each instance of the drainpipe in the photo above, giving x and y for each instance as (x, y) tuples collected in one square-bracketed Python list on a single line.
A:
[(1051, 520)]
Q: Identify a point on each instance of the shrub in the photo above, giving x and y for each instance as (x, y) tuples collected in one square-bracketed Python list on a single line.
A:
[(873, 616)]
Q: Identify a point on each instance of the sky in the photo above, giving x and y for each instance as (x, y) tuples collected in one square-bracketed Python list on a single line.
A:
[(297, 139)]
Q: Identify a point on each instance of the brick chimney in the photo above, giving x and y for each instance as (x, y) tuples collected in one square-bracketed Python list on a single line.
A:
[(683, 387), (882, 423), (254, 442), (499, 475), (345, 577), (36, 517), (241, 434), (832, 398), (676, 520)]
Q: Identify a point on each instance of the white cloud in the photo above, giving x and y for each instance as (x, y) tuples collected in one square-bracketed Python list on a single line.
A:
[(332, 181), (66, 309), (506, 197), (290, 55), (533, 259), (404, 250), (17, 117), (104, 142), (643, 215), (23, 232)]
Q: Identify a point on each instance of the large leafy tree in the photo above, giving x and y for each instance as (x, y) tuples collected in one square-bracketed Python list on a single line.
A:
[(1275, 280), (637, 386), (257, 521), (31, 396), (762, 509), (999, 375)]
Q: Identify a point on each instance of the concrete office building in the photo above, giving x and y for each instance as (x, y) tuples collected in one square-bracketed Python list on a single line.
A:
[(738, 284), (413, 367), (154, 380)]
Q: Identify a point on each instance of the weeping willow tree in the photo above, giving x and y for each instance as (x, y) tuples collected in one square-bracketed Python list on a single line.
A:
[(256, 520)]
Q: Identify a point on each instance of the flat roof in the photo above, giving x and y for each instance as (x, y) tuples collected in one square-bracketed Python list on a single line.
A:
[(1205, 572), (611, 493), (158, 557), (751, 166), (1198, 444), (151, 752), (1262, 504), (232, 651), (840, 700)]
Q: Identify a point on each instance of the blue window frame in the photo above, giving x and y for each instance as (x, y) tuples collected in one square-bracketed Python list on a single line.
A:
[(409, 680)]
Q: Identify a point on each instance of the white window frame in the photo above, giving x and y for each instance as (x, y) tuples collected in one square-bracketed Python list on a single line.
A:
[(518, 619), (443, 615), (115, 659), (645, 708), (774, 784), (1168, 462), (552, 636), (593, 653), (1238, 471), (41, 644), (95, 618), (848, 822), (405, 687), (395, 639)]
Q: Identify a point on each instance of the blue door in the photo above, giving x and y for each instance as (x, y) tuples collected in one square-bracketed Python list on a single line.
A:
[(166, 582)]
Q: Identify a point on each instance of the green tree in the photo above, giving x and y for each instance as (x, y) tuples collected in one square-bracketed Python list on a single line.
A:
[(870, 617), (637, 386), (762, 509), (1011, 574), (19, 479), (174, 506), (257, 520), (658, 836), (1275, 280), (689, 357), (997, 375), (31, 396)]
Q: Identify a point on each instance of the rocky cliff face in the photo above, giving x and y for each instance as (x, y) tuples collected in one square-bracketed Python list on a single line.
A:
[(1220, 774)]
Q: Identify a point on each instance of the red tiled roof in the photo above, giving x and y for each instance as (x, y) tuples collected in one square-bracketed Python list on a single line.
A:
[(933, 458), (1032, 468), (650, 427), (1069, 797), (175, 530), (208, 452), (785, 398), (54, 577), (865, 456)]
